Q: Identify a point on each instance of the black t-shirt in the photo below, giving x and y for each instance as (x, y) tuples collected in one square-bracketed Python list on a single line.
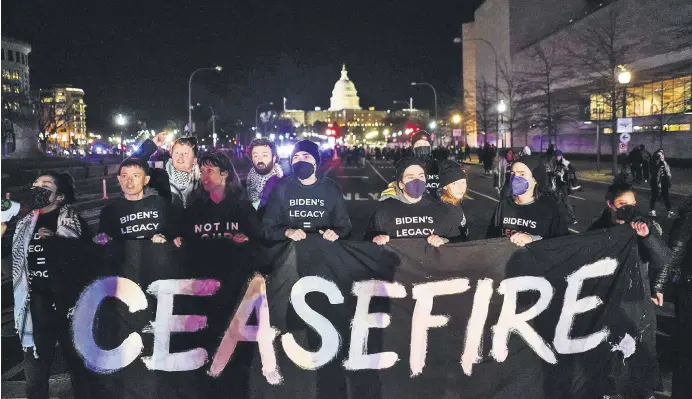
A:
[(456, 225), (40, 263), (432, 177), (137, 219), (292, 205), (542, 217), (397, 219), (205, 219)]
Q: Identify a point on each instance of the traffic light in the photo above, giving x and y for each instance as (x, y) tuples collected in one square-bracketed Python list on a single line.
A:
[(332, 130), (411, 128)]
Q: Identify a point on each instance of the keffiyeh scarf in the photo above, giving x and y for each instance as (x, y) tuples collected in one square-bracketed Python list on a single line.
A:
[(256, 182), (68, 227), (181, 178)]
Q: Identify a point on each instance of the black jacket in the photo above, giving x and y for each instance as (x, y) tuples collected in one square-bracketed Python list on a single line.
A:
[(681, 245), (652, 249)]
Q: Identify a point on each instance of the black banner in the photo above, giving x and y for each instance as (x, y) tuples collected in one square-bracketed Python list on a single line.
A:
[(568, 317)]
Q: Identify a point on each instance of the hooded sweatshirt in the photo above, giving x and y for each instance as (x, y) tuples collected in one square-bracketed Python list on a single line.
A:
[(314, 207), (138, 219), (396, 217)]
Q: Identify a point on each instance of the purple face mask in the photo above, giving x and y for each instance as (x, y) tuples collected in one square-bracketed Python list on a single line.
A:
[(415, 188), (519, 185)]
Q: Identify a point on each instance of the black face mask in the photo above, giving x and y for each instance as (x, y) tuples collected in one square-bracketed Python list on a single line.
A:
[(303, 170), (626, 213), (40, 197), (422, 153)]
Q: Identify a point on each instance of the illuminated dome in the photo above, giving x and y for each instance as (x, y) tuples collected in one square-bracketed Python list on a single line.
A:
[(344, 95)]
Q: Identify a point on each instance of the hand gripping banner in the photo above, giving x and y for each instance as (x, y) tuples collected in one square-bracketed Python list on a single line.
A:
[(568, 317)]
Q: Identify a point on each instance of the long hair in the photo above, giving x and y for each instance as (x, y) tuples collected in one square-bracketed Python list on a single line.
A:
[(448, 198), (234, 189), (64, 184)]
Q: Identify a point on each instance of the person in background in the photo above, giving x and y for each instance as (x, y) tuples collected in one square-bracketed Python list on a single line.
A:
[(681, 244), (40, 312), (181, 169), (660, 181), (467, 152), (646, 159), (487, 157), (635, 160), (563, 184), (621, 208), (527, 215), (502, 167), (303, 203), (453, 185), (141, 213), (407, 210), (422, 149), (222, 211), (265, 172)]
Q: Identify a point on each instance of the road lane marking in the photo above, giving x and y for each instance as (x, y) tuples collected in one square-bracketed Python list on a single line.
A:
[(13, 371), (329, 170), (573, 231), (574, 196), (483, 195), (378, 173)]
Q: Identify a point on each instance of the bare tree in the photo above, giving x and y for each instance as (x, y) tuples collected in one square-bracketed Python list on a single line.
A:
[(545, 100), (485, 117), (513, 89), (53, 116), (603, 45)]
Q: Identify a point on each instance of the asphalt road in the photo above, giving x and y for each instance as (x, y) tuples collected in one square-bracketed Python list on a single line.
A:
[(360, 187)]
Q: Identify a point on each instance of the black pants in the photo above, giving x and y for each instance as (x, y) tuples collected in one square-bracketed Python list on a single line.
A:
[(49, 329), (645, 168), (663, 193), (637, 172), (565, 199), (682, 383)]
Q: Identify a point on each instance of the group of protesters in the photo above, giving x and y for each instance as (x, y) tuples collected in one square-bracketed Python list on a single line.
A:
[(424, 201)]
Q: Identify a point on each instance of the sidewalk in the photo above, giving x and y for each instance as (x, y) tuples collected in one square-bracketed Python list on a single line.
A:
[(586, 170)]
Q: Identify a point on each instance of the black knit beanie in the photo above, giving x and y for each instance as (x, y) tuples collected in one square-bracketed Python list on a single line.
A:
[(450, 172), (537, 168), (420, 135), (405, 163), (309, 147)]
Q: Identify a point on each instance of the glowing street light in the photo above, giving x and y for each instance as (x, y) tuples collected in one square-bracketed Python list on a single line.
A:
[(433, 125), (624, 76), (501, 107), (456, 119), (120, 120)]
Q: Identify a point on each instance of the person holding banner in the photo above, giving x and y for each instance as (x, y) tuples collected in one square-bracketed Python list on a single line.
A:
[(621, 208), (222, 212), (452, 190), (40, 310), (265, 172), (141, 213), (303, 203), (406, 210), (527, 215)]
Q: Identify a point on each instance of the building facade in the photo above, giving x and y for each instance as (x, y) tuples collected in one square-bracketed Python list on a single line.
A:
[(15, 72), (345, 109), (513, 45), (63, 117)]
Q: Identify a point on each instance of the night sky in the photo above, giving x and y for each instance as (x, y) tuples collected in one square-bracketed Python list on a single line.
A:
[(138, 55)]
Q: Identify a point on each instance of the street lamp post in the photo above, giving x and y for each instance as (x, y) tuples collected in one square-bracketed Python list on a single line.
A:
[(189, 94), (497, 68), (501, 108), (434, 97), (409, 103), (121, 121), (257, 115), (456, 119), (623, 77)]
